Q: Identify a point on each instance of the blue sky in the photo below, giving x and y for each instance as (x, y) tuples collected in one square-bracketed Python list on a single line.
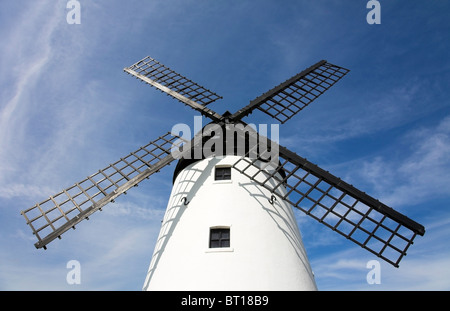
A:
[(67, 109)]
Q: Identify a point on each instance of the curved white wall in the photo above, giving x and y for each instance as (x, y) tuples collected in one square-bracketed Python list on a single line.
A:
[(266, 251)]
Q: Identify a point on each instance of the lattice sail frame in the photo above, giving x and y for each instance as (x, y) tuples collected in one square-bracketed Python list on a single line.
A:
[(179, 87), (334, 203), (162, 74), (62, 211), (290, 97)]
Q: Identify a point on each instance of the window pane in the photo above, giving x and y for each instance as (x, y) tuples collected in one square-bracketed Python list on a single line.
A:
[(223, 173), (215, 235), (214, 244), (219, 237)]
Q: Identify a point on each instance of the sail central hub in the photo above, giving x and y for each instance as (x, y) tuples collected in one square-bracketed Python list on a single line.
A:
[(237, 139)]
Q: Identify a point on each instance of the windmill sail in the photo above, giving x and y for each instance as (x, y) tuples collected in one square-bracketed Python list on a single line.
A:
[(287, 99), (181, 88), (62, 211), (336, 204)]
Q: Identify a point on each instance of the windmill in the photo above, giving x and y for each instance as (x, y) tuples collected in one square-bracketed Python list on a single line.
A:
[(229, 222)]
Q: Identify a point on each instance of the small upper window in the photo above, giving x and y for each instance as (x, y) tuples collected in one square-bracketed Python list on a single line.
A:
[(219, 237), (223, 173)]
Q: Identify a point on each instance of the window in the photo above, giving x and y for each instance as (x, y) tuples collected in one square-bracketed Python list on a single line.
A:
[(219, 237), (223, 173)]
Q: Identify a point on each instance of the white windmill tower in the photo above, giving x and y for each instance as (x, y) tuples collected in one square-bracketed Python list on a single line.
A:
[(222, 230), (229, 223)]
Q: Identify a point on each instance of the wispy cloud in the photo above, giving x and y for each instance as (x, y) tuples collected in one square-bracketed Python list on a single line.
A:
[(130, 209), (347, 269), (25, 68), (423, 172), (50, 114), (114, 252), (351, 115), (22, 190)]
